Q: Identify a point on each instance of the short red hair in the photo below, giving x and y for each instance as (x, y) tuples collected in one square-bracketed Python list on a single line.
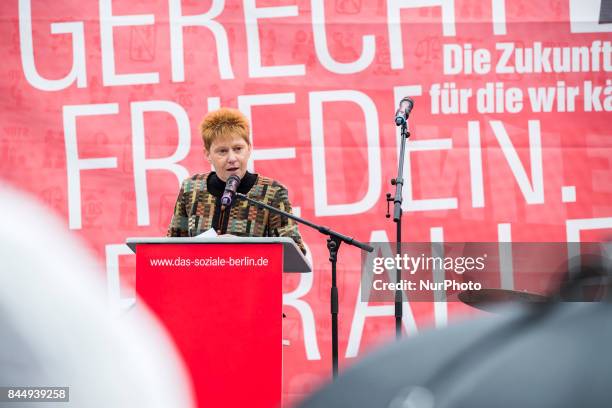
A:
[(224, 124)]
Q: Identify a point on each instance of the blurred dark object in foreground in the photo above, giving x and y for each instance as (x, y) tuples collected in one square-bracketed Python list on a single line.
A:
[(490, 300), (552, 354), (589, 279)]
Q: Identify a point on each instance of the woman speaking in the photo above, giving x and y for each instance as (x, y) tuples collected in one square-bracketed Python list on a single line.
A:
[(199, 207)]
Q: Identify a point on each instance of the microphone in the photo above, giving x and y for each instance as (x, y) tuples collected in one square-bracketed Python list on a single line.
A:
[(405, 106), (230, 189)]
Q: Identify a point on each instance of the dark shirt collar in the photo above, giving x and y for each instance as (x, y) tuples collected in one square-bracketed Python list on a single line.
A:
[(216, 186)]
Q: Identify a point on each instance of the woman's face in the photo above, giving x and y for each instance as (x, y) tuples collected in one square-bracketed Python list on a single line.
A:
[(229, 156)]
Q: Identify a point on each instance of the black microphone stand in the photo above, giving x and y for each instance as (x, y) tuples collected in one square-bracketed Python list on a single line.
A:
[(398, 182), (333, 244)]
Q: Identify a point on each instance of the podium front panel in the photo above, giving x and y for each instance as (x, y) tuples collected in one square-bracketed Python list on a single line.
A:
[(222, 305)]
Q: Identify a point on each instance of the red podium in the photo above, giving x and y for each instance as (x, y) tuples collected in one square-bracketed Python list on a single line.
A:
[(221, 301)]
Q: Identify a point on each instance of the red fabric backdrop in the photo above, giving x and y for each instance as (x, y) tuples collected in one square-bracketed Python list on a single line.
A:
[(100, 115)]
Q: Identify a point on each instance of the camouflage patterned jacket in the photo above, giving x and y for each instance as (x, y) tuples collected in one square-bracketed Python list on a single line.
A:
[(198, 208)]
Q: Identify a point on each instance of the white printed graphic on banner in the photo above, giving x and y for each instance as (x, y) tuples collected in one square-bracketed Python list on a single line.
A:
[(585, 16)]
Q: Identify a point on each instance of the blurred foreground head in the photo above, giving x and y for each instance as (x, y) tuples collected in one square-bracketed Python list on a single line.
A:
[(588, 278), (552, 355), (57, 329)]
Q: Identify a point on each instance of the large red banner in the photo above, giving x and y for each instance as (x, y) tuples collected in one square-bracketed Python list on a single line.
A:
[(510, 129)]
